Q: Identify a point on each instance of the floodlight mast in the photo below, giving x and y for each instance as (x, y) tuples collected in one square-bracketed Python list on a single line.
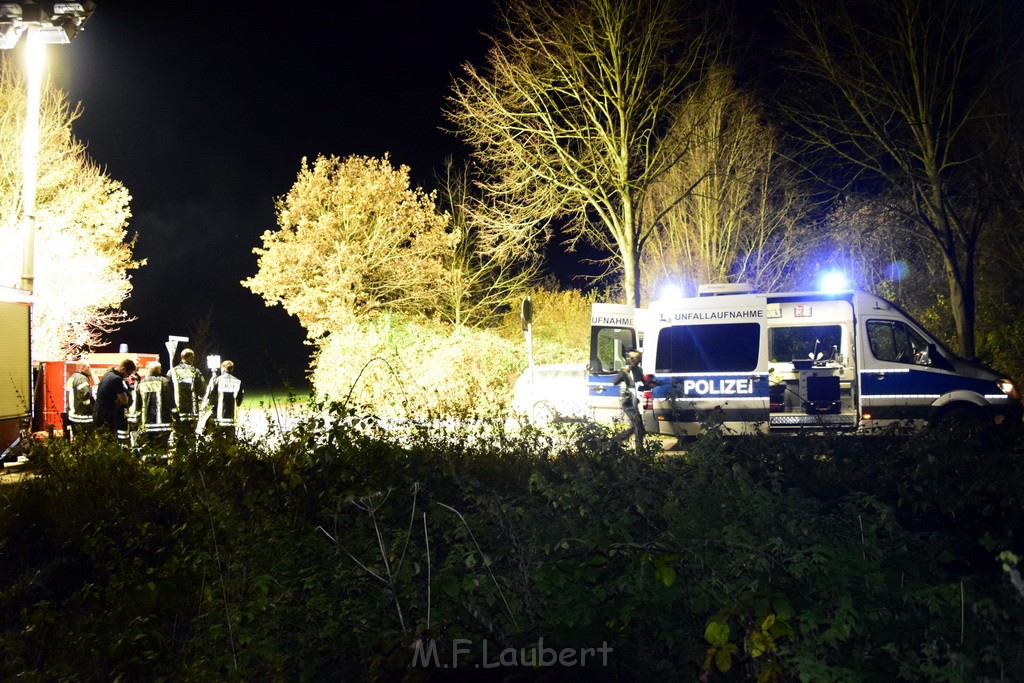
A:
[(46, 23)]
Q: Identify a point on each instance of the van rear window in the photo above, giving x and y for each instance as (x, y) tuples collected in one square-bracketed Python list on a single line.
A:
[(708, 348)]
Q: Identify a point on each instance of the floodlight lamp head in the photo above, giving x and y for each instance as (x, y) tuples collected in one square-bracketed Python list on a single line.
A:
[(69, 16), (9, 35), (55, 34), (73, 9), (53, 23), (10, 12)]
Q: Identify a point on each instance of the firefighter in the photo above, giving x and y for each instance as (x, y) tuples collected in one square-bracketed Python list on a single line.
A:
[(79, 401), (155, 400), (223, 396), (132, 410), (113, 396), (188, 386)]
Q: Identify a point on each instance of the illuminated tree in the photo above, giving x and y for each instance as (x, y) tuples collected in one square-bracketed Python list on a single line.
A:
[(565, 118), (904, 98), (353, 239), (728, 208), (83, 253)]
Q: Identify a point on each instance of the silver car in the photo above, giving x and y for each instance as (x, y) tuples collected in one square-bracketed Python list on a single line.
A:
[(545, 393)]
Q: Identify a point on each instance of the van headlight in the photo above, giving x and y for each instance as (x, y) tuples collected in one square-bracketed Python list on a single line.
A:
[(1008, 388)]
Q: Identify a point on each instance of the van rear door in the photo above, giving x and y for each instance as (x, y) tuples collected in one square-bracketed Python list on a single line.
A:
[(613, 334)]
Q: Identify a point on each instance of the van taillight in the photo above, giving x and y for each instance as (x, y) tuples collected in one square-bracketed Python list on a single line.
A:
[(648, 400)]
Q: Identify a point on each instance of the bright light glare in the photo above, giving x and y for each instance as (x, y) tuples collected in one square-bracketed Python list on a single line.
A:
[(670, 292), (832, 281)]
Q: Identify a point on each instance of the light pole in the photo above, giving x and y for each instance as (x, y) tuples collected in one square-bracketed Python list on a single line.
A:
[(35, 60), (46, 23)]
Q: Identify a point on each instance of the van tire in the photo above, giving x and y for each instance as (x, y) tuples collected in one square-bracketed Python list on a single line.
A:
[(963, 425)]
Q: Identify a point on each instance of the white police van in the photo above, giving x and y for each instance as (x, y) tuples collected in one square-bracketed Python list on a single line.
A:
[(797, 360)]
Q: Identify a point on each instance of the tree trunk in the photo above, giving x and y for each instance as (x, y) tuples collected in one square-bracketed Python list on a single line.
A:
[(630, 275), (634, 274), (962, 303)]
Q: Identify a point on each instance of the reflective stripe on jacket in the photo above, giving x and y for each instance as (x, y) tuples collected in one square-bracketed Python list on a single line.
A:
[(188, 385), (155, 401), (225, 395), (78, 399)]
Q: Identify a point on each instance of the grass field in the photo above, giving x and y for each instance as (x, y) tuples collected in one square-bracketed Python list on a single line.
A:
[(270, 396)]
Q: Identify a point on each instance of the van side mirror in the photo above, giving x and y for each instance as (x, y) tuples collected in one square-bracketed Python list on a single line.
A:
[(936, 359)]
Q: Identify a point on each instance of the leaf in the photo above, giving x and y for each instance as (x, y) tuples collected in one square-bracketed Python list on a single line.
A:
[(760, 642), (723, 657), (665, 573), (717, 633)]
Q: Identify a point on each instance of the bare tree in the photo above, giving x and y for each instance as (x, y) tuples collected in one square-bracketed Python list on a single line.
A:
[(565, 119), (479, 282), (729, 207), (906, 90)]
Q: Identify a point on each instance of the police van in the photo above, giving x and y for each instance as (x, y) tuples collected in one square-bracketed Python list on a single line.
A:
[(799, 360)]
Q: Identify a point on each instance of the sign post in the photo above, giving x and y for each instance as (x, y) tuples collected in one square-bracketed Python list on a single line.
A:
[(172, 345), (526, 316)]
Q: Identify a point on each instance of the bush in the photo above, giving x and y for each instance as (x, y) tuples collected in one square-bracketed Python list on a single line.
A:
[(561, 326), (402, 367), (340, 551)]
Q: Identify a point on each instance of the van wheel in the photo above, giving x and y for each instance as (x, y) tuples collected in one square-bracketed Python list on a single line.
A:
[(544, 412), (963, 426)]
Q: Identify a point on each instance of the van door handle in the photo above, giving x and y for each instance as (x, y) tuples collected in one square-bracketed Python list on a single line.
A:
[(879, 375), (599, 389)]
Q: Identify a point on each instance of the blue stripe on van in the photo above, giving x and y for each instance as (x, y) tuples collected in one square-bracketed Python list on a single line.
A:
[(601, 385), (913, 382)]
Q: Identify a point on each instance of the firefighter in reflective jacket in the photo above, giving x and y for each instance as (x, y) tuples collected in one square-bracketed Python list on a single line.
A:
[(223, 396), (78, 401), (156, 400), (131, 413), (189, 385)]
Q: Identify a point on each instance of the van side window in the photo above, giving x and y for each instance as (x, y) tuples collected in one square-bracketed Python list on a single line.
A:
[(799, 342), (897, 342), (708, 348), (608, 347)]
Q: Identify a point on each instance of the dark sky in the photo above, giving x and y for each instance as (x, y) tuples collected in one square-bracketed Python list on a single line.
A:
[(204, 111)]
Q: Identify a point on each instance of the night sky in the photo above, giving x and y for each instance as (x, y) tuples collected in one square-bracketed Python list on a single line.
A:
[(204, 111)]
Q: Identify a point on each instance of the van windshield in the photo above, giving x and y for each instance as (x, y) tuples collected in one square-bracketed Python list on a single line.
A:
[(729, 347)]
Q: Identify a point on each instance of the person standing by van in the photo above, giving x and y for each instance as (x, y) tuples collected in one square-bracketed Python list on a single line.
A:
[(630, 379)]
